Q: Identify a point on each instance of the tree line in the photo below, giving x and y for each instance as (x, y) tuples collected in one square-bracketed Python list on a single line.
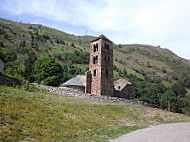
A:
[(153, 91)]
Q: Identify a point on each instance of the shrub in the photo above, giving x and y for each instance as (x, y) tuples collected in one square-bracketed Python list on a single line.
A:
[(48, 71)]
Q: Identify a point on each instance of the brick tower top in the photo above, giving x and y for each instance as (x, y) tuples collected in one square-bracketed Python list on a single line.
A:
[(102, 37)]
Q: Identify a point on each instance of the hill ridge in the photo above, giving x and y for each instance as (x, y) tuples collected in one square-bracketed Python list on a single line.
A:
[(46, 41)]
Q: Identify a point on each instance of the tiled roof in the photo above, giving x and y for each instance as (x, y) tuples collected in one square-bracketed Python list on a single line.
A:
[(79, 80), (120, 84), (102, 37)]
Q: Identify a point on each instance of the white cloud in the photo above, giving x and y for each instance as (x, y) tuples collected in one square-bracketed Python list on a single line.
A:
[(158, 22)]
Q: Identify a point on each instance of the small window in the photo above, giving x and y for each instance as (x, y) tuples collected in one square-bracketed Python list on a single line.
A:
[(106, 72), (95, 60), (105, 59), (95, 72), (106, 46), (119, 87), (95, 47)]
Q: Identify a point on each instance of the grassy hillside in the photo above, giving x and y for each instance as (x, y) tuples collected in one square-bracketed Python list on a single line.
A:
[(157, 74), (149, 60), (140, 60), (40, 116)]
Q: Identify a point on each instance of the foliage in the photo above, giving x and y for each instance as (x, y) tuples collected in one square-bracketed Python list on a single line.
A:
[(179, 90), (1, 44), (14, 70), (20, 66), (148, 65), (157, 94), (152, 90), (163, 70), (77, 57), (10, 56), (47, 71), (29, 87), (40, 116), (70, 70)]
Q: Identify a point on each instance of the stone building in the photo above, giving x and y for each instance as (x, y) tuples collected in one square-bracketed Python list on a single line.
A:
[(78, 82), (100, 74), (2, 63), (99, 79), (123, 89)]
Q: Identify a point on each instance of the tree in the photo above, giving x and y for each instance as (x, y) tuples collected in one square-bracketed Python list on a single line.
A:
[(179, 90), (1, 44), (10, 56), (124, 72), (47, 71), (165, 100), (163, 70), (14, 70), (148, 65), (72, 45)]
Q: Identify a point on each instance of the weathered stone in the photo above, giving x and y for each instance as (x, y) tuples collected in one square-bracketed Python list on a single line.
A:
[(100, 74), (69, 92)]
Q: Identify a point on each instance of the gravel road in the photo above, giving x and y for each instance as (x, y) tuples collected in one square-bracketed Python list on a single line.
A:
[(175, 132)]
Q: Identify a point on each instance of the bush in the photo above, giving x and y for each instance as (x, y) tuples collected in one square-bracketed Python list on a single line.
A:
[(1, 44), (48, 71), (30, 87), (77, 57), (179, 90)]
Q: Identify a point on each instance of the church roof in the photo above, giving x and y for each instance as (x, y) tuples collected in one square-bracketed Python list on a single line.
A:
[(120, 84), (102, 37), (79, 80)]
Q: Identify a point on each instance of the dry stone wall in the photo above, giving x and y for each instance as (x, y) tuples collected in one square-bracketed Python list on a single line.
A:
[(70, 92), (8, 81)]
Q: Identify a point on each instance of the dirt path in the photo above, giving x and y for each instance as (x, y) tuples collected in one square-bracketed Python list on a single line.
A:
[(176, 132)]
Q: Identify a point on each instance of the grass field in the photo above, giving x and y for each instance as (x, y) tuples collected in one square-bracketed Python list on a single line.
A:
[(40, 116)]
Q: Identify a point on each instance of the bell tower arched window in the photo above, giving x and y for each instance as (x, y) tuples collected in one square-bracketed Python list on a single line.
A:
[(95, 60), (95, 47), (106, 46)]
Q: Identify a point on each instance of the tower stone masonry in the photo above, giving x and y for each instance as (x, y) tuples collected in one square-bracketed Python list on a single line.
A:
[(100, 75)]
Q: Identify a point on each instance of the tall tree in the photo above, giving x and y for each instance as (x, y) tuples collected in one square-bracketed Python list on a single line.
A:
[(47, 71)]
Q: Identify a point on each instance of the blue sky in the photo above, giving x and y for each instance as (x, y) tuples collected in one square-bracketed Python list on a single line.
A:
[(156, 22)]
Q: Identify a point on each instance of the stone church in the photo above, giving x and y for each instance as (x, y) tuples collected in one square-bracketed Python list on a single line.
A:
[(99, 78)]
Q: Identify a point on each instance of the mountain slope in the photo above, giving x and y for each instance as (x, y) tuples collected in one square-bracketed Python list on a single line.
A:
[(140, 60), (152, 61)]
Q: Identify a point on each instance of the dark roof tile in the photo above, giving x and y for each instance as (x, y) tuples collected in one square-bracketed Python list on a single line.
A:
[(102, 37)]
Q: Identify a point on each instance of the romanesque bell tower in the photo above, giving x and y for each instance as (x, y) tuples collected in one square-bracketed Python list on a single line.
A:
[(100, 74)]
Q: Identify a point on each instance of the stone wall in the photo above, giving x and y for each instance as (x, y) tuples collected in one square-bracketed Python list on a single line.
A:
[(8, 81), (126, 92), (88, 81), (70, 92)]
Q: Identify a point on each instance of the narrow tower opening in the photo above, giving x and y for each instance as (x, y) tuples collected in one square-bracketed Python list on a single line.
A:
[(95, 60), (95, 47), (95, 72)]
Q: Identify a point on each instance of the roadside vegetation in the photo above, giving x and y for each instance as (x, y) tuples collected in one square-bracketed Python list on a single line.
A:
[(27, 114)]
